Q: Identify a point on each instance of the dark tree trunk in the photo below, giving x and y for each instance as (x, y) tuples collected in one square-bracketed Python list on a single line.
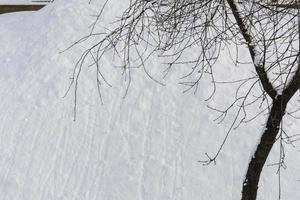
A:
[(260, 156), (280, 102)]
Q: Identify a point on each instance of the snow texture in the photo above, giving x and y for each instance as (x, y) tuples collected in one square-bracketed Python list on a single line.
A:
[(142, 147)]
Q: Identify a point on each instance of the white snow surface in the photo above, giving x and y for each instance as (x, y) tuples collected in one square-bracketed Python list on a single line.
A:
[(145, 146)]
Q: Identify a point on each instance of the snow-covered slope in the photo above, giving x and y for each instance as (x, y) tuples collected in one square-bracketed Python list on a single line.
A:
[(142, 147)]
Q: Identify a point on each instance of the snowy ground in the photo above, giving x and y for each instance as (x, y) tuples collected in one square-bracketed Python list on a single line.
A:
[(143, 147)]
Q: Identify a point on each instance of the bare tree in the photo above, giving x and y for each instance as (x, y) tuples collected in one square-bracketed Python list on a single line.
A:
[(169, 28)]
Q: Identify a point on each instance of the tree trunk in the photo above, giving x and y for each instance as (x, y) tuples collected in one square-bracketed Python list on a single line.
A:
[(263, 149)]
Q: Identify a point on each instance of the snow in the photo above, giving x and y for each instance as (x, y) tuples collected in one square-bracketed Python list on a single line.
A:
[(257, 58), (141, 147)]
